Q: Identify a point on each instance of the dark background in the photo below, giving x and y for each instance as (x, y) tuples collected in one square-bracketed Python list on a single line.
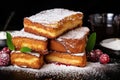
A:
[(22, 9)]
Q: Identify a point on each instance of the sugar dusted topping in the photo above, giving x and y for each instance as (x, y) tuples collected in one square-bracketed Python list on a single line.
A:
[(79, 54), (32, 53), (77, 33), (35, 54), (51, 16), (28, 35)]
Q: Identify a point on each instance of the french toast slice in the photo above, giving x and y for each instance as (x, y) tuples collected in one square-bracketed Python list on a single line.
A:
[(35, 43), (53, 22), (73, 41), (76, 59), (27, 60)]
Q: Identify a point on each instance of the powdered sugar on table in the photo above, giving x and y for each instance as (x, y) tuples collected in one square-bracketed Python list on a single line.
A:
[(63, 71)]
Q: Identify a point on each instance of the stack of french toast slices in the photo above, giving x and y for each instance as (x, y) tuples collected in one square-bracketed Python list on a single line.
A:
[(54, 36)]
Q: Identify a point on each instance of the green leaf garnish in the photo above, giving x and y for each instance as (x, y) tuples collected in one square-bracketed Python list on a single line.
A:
[(12, 47), (91, 42), (25, 49), (9, 41)]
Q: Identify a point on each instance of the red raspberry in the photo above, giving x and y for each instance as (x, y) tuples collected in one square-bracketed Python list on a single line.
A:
[(4, 58), (6, 50), (104, 58), (92, 56), (98, 52), (1, 52)]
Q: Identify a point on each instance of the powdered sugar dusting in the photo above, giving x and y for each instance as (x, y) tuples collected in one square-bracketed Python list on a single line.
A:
[(79, 54), (63, 71), (32, 53), (77, 33), (51, 16), (28, 35)]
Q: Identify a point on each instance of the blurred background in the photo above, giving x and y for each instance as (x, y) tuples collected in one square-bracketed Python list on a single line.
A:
[(13, 12)]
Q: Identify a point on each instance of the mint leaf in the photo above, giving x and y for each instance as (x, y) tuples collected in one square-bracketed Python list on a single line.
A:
[(9, 41), (25, 49), (91, 42)]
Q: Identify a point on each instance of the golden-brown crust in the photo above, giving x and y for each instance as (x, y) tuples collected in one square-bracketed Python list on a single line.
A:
[(66, 58), (34, 44), (62, 26), (57, 46), (26, 60), (68, 45)]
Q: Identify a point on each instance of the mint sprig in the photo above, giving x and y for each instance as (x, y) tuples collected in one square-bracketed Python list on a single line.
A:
[(9, 41), (25, 49), (91, 42), (11, 45)]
